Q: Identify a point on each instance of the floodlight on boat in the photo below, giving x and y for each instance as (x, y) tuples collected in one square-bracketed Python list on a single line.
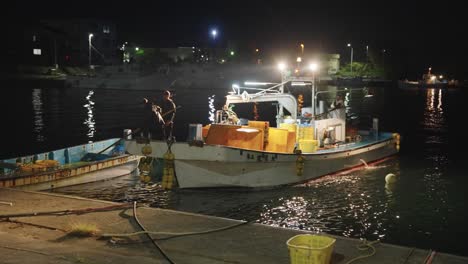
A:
[(441, 76), (298, 83), (313, 66), (235, 88), (299, 59), (433, 78), (282, 66), (257, 83)]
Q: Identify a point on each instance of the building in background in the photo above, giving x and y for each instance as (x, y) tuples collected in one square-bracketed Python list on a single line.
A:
[(75, 49), (52, 43)]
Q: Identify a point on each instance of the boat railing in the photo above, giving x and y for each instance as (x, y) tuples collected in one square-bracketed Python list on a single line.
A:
[(275, 89)]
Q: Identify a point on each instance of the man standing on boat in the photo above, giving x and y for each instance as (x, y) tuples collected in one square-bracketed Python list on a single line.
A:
[(149, 119), (338, 110), (168, 110)]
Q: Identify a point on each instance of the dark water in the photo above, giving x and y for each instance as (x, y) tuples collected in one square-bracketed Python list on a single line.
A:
[(426, 207)]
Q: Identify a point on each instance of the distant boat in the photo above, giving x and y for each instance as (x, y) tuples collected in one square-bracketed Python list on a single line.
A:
[(419, 84), (68, 166), (429, 80)]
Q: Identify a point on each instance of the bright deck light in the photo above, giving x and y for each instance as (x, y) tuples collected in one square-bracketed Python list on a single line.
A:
[(298, 83), (257, 83), (281, 66), (313, 67), (299, 59)]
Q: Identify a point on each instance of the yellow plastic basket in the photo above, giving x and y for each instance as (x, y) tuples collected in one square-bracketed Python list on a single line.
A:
[(310, 249)]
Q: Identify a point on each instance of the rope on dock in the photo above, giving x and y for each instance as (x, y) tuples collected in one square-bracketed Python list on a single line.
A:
[(68, 212), (365, 246), (430, 257), (31, 224), (6, 203), (174, 235), (408, 256), (26, 250), (146, 232)]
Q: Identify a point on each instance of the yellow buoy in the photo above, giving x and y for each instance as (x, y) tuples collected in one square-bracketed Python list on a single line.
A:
[(390, 178)]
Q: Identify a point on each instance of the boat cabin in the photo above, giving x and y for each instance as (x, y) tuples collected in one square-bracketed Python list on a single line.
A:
[(292, 133)]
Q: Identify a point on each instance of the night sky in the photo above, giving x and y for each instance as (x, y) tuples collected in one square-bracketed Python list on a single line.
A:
[(415, 36)]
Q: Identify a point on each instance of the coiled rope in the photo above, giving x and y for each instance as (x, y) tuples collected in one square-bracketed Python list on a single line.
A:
[(365, 246)]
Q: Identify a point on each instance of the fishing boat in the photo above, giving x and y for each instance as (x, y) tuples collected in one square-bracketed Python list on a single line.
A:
[(228, 154), (85, 163), (429, 80)]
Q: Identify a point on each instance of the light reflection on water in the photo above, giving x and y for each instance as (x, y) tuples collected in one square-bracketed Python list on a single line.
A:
[(38, 114), (90, 122)]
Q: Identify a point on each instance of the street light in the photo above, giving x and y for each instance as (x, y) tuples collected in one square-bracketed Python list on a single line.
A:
[(302, 48), (349, 45), (214, 33), (383, 59), (313, 67), (367, 53), (89, 55)]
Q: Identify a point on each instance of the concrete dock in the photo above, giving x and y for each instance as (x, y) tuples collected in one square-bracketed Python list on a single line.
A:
[(45, 238)]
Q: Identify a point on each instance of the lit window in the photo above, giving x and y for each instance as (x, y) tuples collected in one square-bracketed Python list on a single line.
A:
[(106, 29), (37, 51), (34, 38)]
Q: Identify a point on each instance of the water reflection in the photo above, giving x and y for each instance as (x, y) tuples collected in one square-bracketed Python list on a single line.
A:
[(90, 120), (353, 204), (433, 115), (38, 114)]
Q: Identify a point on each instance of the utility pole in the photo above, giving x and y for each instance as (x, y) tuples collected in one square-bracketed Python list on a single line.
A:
[(55, 53), (89, 42)]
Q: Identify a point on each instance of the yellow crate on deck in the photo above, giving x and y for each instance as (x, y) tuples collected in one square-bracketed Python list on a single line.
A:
[(310, 249), (289, 127), (305, 132), (277, 140), (308, 145)]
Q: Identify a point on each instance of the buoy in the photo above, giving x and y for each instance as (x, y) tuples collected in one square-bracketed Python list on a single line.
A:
[(390, 178)]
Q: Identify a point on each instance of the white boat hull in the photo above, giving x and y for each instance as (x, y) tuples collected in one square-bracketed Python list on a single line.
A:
[(220, 166)]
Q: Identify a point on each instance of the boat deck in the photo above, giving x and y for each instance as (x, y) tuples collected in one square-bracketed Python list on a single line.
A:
[(365, 142)]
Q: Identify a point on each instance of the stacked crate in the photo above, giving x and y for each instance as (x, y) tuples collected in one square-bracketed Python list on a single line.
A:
[(305, 138), (292, 135), (264, 126)]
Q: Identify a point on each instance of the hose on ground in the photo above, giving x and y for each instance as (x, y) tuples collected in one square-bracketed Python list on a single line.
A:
[(365, 246), (174, 235), (147, 234)]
